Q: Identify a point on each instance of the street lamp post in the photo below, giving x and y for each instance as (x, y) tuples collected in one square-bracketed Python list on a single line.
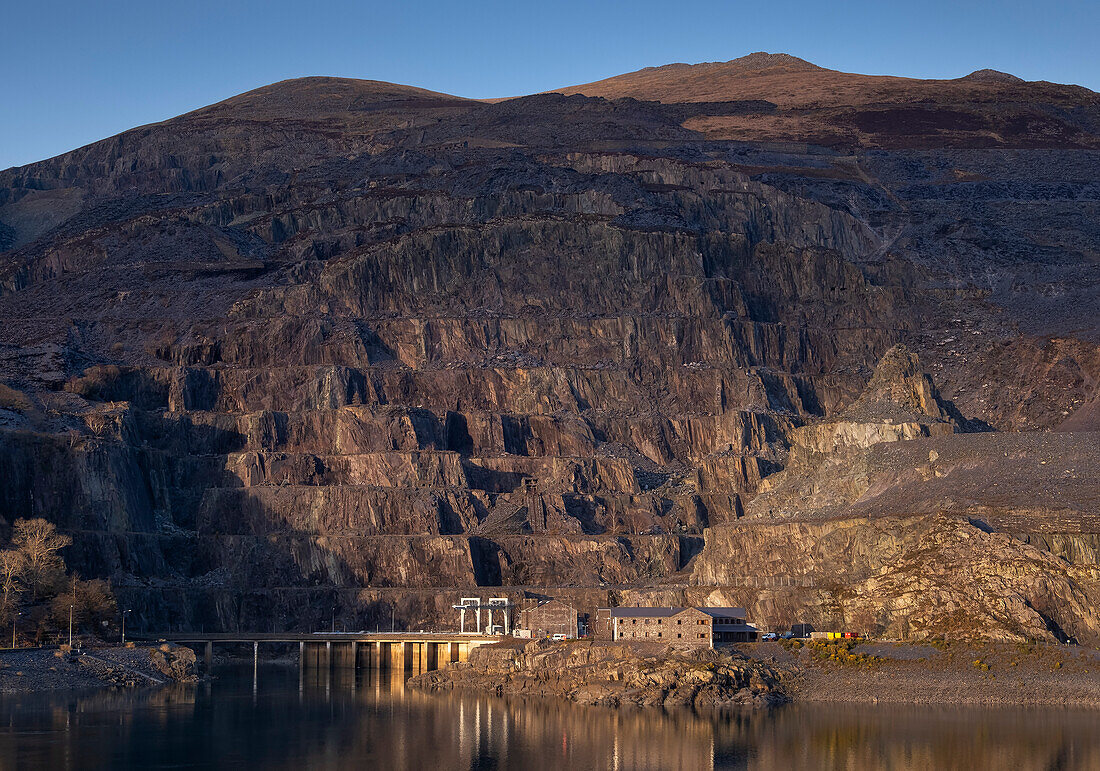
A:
[(13, 617), (334, 620), (70, 627)]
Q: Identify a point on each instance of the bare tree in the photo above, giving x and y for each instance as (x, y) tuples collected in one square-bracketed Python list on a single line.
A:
[(39, 543), (11, 569)]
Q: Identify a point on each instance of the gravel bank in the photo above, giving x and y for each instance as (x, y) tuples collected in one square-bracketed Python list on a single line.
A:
[(993, 674), (36, 669)]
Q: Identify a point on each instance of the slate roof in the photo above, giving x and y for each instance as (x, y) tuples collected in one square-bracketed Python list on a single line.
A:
[(737, 613), (645, 612), (730, 613)]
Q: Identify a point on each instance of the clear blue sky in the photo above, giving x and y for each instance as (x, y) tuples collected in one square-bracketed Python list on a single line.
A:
[(79, 70)]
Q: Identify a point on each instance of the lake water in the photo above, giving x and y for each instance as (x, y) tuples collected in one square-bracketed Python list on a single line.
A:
[(279, 721)]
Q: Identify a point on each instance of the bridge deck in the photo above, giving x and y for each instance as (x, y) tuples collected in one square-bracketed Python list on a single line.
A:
[(293, 637)]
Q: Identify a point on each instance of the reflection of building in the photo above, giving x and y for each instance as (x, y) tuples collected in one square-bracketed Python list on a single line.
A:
[(698, 627), (549, 618)]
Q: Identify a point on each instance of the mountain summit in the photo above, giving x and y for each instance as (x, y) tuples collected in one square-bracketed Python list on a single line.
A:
[(757, 62)]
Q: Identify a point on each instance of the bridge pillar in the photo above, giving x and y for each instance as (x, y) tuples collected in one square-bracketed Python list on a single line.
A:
[(354, 655), (376, 655), (328, 654), (301, 656), (422, 659), (347, 655), (208, 656), (397, 656), (463, 651)]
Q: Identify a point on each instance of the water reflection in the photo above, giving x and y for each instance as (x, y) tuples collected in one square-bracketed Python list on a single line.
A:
[(284, 719)]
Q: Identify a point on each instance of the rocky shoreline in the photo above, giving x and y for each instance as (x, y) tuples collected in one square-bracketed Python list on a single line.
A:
[(613, 675), (768, 674), (29, 670)]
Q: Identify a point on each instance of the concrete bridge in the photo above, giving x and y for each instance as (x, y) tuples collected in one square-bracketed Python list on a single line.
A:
[(415, 651)]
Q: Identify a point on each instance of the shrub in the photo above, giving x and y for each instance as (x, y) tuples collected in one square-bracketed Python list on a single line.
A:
[(11, 399), (92, 604)]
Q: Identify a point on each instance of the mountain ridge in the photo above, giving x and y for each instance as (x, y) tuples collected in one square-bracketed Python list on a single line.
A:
[(317, 89)]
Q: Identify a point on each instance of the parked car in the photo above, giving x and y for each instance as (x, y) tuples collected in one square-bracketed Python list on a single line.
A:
[(788, 635), (559, 637), (767, 636)]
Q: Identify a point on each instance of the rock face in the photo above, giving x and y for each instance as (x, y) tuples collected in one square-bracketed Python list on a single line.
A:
[(346, 344), (904, 538), (613, 676)]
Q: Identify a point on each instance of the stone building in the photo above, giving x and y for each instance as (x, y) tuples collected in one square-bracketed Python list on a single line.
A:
[(601, 627), (729, 625), (698, 627), (549, 618)]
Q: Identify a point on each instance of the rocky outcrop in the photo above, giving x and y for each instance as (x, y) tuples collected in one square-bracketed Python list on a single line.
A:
[(900, 402), (904, 577), (828, 465), (613, 676), (175, 662)]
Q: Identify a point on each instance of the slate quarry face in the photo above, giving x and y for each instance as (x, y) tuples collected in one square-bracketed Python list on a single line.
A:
[(347, 344)]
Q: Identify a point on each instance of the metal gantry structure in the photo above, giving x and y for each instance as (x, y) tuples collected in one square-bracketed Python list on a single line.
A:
[(502, 605)]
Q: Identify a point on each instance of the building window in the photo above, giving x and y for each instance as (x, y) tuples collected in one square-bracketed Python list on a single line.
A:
[(659, 634), (679, 635)]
